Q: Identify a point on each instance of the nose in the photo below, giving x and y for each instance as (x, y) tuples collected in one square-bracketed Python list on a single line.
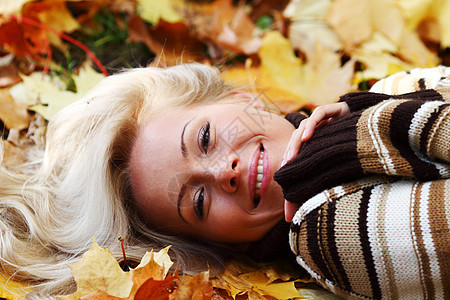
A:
[(227, 175)]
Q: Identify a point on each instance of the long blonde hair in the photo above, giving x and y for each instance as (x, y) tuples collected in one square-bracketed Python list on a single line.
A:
[(53, 207)]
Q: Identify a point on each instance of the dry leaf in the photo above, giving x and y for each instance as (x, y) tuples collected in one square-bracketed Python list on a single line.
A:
[(154, 10), (229, 27), (309, 26), (12, 114), (198, 287), (12, 290), (45, 95), (98, 270), (156, 289)]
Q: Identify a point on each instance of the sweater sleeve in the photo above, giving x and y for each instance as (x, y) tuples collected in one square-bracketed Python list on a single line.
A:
[(406, 135)]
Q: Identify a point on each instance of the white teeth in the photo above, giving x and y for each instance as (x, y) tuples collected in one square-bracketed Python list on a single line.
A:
[(259, 176)]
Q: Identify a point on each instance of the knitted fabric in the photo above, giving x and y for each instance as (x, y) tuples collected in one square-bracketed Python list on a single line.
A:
[(375, 216)]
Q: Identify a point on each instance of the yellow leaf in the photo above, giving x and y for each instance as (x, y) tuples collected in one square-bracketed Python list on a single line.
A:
[(351, 21), (308, 26), (414, 11), (260, 282), (58, 17), (441, 11), (46, 96), (153, 10), (98, 270), (12, 290)]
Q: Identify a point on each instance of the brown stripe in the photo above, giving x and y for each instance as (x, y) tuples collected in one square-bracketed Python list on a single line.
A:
[(439, 147), (440, 230), (430, 125), (388, 268), (422, 84), (365, 244), (349, 245), (424, 261), (369, 158)]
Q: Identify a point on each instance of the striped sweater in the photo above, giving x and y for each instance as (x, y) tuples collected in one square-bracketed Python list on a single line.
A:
[(374, 221)]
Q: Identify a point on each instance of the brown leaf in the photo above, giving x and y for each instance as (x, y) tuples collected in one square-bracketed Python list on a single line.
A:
[(198, 287), (171, 42), (12, 114)]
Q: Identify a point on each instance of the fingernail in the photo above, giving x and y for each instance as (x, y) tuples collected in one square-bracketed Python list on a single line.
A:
[(283, 162)]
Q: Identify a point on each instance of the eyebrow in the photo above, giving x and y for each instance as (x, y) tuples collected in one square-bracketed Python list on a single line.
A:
[(183, 145), (180, 197), (185, 154)]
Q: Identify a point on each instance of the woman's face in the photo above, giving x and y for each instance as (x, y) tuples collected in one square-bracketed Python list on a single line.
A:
[(207, 171)]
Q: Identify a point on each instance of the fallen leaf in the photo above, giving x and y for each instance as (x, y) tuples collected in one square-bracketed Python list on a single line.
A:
[(157, 289), (46, 96), (226, 26), (309, 26), (12, 114), (181, 47), (23, 40), (198, 287), (154, 10), (12, 290), (98, 270)]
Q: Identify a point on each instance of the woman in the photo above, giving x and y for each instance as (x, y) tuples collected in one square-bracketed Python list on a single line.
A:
[(159, 156)]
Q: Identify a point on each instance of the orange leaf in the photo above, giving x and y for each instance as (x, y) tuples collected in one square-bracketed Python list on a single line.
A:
[(157, 289)]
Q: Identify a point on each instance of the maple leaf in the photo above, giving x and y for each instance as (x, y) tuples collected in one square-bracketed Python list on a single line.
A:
[(46, 96), (98, 270), (153, 11), (309, 26), (198, 287)]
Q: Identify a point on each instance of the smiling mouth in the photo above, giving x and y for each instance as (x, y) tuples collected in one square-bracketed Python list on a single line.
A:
[(259, 177)]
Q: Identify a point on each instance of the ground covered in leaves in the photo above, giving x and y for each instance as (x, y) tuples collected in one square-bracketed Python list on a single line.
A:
[(297, 53)]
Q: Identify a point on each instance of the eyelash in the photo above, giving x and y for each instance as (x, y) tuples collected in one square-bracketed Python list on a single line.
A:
[(198, 203), (204, 137)]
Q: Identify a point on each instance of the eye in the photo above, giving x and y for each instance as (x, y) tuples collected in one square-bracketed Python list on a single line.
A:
[(204, 138), (198, 203)]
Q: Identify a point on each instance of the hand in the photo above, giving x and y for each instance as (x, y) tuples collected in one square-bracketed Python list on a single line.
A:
[(321, 116)]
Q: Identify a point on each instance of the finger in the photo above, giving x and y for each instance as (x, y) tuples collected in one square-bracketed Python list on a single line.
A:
[(290, 209), (294, 144), (287, 156), (322, 116)]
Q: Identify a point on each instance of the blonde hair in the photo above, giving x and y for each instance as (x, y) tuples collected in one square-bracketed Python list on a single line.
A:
[(53, 207)]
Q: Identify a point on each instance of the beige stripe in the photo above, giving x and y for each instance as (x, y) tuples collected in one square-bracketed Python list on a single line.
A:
[(349, 245), (441, 236), (416, 231), (447, 201), (438, 145), (387, 266), (388, 158)]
